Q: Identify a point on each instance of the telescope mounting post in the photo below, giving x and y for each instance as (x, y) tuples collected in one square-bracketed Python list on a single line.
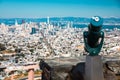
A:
[(93, 41)]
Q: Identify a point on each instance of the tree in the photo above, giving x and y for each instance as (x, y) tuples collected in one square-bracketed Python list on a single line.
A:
[(2, 47), (31, 50), (18, 50)]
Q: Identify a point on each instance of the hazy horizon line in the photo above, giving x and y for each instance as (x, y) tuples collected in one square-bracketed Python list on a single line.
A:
[(57, 17)]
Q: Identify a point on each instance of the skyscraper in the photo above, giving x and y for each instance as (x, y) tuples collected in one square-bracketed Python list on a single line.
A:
[(33, 31), (16, 23), (48, 21)]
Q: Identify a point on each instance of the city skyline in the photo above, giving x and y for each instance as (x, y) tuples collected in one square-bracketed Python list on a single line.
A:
[(58, 8)]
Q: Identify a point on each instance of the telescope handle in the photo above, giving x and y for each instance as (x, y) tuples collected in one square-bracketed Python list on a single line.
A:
[(90, 50)]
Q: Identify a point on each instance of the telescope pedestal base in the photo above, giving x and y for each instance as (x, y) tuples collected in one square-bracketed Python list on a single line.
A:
[(93, 68)]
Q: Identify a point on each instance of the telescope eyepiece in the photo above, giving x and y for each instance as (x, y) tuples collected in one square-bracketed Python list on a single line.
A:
[(95, 24), (96, 18)]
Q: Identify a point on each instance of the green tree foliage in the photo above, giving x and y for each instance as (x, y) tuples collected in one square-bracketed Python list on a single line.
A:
[(2, 47)]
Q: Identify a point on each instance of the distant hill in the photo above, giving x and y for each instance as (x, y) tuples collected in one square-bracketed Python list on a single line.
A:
[(11, 21)]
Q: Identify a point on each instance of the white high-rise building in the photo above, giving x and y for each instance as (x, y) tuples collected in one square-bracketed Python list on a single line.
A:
[(48, 21), (16, 23), (68, 25)]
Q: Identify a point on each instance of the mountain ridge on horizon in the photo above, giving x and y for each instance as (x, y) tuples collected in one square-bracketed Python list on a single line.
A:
[(54, 19)]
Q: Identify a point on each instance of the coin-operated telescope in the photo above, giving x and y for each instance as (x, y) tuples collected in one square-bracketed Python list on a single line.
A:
[(94, 37)]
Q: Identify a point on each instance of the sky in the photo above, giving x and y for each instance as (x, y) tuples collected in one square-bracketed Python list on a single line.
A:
[(59, 8)]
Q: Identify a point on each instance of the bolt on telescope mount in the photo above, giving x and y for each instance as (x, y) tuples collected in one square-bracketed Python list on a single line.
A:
[(94, 37)]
